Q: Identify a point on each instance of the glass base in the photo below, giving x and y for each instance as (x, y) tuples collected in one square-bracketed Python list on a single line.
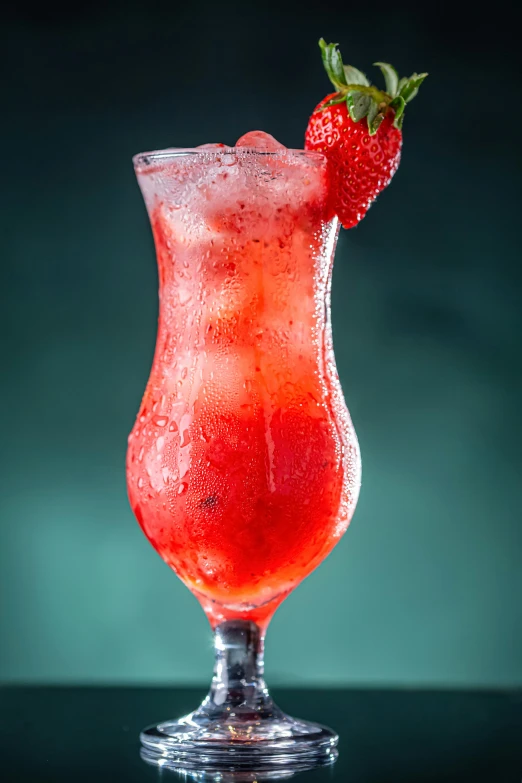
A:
[(238, 727), (198, 742)]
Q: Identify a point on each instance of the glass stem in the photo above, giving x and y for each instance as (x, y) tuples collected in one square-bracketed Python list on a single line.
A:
[(238, 686)]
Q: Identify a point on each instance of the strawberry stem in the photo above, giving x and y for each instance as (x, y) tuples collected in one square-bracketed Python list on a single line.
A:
[(379, 96), (362, 98)]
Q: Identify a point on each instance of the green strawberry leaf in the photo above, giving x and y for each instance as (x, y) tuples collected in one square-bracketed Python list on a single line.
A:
[(372, 113), (339, 98), (355, 76), (391, 78), (410, 88), (399, 104), (358, 104), (401, 84), (333, 64), (373, 127)]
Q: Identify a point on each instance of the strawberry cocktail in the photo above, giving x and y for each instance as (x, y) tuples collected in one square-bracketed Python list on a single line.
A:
[(243, 465)]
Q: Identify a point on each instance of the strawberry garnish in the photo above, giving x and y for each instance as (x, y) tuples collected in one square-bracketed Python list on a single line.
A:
[(359, 129)]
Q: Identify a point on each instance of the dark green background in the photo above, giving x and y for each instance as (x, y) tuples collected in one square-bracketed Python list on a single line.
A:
[(426, 587)]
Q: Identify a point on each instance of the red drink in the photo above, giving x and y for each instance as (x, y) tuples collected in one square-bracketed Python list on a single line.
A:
[(243, 466)]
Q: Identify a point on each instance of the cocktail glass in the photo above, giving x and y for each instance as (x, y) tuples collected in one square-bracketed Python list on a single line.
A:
[(243, 465)]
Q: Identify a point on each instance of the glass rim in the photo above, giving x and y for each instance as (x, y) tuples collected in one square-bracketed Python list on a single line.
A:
[(144, 160)]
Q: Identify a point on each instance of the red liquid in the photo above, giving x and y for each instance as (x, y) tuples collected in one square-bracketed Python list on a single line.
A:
[(243, 466)]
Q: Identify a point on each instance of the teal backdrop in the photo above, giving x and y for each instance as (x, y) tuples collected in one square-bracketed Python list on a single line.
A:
[(426, 586)]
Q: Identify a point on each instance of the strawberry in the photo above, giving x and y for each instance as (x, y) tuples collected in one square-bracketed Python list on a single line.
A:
[(359, 129)]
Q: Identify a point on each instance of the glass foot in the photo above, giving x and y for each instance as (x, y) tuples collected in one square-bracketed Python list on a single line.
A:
[(196, 741)]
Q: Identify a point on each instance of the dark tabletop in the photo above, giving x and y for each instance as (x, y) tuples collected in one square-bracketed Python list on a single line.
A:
[(53, 735)]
